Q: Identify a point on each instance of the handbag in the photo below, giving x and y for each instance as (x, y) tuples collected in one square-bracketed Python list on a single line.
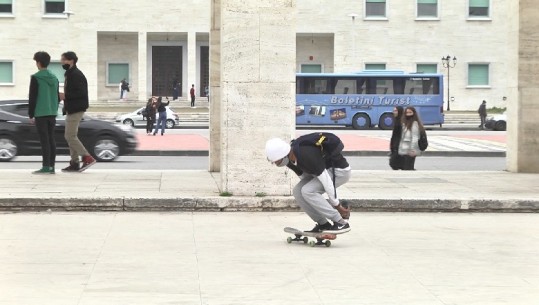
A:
[(423, 143)]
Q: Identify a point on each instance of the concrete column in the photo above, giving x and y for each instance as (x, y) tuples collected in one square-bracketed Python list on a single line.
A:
[(523, 139), (191, 63), (142, 67), (258, 57), (215, 87)]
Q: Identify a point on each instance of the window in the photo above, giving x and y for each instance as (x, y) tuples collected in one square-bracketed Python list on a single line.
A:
[(311, 68), (6, 7), (57, 70), (427, 68), (54, 6), (478, 75), (427, 8), (422, 85), (116, 72), (6, 72), (375, 66), (375, 8), (311, 85), (479, 8)]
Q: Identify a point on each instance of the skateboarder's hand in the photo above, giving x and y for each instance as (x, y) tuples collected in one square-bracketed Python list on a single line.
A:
[(345, 212)]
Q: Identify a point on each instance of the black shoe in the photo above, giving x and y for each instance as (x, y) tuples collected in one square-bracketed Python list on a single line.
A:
[(321, 227), (73, 167), (338, 228)]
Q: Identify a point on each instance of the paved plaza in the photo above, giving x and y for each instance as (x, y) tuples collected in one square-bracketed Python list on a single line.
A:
[(83, 258)]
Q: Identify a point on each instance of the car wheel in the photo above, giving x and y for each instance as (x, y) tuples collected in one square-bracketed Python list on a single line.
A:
[(386, 121), (361, 121), (170, 124), (500, 126), (129, 122), (8, 149), (106, 149)]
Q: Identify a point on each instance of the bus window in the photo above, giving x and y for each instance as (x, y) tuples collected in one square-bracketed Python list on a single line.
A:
[(345, 86), (311, 85), (422, 85), (378, 85)]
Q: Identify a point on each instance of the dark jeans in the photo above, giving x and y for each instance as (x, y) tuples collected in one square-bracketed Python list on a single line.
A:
[(149, 124), (192, 101), (396, 161), (45, 129), (483, 120), (408, 163), (161, 121)]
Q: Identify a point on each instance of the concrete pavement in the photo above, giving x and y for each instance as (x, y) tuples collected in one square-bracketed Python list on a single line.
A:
[(242, 258), (188, 190)]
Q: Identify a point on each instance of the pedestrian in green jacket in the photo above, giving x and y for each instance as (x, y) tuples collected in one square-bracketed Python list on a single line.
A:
[(43, 102)]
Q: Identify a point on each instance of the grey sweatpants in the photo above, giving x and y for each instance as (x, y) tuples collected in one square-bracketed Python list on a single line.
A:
[(309, 196)]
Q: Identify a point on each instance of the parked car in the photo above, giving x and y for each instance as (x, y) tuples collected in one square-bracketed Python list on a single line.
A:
[(105, 141), (497, 122), (135, 118)]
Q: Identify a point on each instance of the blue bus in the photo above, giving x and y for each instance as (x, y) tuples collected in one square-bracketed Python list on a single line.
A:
[(366, 99)]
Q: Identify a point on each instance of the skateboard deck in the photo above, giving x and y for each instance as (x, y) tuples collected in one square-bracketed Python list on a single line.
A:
[(321, 237)]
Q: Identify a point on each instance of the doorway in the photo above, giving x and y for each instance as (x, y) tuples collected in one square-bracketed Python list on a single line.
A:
[(166, 69)]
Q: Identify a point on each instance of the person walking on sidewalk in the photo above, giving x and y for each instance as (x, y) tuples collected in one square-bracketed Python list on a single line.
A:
[(43, 101), (411, 132), (482, 114), (151, 111), (317, 159), (192, 93), (75, 98), (395, 160), (162, 115)]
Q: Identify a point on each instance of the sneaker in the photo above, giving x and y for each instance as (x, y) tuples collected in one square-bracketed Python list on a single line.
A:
[(73, 167), (44, 170), (87, 161), (338, 228), (321, 227)]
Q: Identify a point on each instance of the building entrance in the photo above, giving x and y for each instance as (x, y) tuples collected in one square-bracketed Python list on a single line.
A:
[(166, 69)]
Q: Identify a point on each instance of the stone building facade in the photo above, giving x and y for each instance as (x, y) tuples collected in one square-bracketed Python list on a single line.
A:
[(155, 44)]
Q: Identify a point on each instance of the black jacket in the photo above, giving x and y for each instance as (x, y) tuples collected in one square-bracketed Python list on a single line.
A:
[(161, 106), (397, 132), (76, 91)]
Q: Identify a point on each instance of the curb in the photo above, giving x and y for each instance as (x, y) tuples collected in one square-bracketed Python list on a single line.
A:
[(365, 153), (256, 204)]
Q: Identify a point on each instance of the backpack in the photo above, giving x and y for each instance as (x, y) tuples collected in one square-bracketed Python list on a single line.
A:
[(145, 111), (330, 145), (423, 143)]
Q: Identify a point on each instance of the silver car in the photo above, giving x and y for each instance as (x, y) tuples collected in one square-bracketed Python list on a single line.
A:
[(135, 118)]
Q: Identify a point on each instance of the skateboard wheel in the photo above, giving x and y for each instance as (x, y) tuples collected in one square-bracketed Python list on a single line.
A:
[(312, 243), (305, 240), (289, 239), (328, 243)]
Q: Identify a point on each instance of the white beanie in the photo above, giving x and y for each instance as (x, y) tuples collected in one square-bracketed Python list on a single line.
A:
[(276, 149)]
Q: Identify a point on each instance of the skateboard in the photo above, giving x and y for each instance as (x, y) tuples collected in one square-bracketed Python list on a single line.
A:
[(321, 237)]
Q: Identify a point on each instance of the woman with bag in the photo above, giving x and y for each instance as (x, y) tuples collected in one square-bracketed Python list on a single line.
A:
[(395, 160), (411, 133)]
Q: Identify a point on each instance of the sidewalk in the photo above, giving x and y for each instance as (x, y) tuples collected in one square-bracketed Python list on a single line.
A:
[(188, 258), (359, 143), (185, 190)]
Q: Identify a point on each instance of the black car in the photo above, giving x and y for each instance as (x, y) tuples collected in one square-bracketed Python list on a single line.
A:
[(18, 137)]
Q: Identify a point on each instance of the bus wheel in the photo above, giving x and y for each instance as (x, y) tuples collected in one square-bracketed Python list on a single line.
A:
[(361, 121), (386, 121)]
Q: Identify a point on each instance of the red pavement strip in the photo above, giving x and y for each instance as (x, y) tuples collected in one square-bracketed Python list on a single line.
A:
[(194, 142)]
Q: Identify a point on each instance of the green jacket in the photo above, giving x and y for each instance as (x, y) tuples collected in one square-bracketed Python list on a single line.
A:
[(43, 98)]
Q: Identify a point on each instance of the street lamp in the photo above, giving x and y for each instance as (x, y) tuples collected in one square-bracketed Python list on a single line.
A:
[(447, 64), (353, 32)]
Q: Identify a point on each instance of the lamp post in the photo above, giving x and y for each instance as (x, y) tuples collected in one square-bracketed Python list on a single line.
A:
[(446, 62)]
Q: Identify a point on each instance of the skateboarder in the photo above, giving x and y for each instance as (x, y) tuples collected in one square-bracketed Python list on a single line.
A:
[(317, 159)]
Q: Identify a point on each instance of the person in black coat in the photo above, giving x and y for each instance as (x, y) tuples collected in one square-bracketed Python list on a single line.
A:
[(482, 114), (395, 160)]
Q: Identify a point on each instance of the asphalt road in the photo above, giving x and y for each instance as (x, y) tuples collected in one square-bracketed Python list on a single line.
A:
[(201, 163)]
